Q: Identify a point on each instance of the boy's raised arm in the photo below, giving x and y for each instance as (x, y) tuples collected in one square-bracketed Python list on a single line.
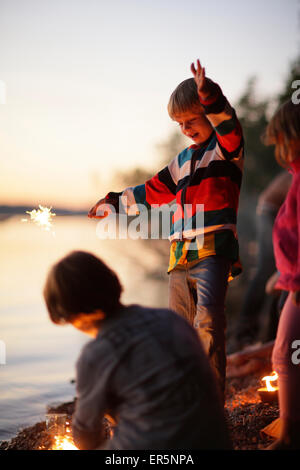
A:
[(220, 114)]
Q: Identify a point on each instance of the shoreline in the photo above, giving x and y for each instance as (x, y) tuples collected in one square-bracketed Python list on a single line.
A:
[(245, 413)]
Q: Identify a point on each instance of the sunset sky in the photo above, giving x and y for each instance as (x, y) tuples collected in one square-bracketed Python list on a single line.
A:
[(88, 81)]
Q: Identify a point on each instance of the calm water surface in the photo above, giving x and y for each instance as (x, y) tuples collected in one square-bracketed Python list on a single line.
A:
[(40, 356)]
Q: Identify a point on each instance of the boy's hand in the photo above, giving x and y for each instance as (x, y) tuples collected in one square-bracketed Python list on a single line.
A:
[(97, 207), (200, 79)]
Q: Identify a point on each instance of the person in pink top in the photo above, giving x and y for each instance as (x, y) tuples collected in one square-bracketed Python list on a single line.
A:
[(283, 131)]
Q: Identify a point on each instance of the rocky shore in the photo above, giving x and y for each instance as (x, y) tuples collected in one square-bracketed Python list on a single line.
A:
[(245, 413)]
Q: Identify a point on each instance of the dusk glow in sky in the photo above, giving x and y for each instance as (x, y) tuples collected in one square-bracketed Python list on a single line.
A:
[(88, 82)]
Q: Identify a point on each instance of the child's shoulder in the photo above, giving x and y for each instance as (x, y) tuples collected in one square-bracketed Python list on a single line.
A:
[(94, 351)]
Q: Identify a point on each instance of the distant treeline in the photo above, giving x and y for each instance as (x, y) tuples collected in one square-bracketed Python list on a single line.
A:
[(12, 210)]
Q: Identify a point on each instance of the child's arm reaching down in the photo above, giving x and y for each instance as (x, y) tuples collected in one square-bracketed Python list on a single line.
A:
[(159, 190), (220, 114)]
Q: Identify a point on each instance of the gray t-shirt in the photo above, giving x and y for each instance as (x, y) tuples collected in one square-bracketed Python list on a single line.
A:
[(147, 369)]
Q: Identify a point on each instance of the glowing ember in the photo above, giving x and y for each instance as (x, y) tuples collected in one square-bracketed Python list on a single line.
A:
[(271, 378), (242, 398), (42, 217)]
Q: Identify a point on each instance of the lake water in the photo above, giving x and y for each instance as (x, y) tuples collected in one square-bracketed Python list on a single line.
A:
[(40, 356)]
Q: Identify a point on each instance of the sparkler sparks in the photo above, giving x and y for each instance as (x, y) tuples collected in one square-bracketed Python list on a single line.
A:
[(42, 217)]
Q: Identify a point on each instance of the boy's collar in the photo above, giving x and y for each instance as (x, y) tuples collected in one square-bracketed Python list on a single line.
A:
[(110, 319)]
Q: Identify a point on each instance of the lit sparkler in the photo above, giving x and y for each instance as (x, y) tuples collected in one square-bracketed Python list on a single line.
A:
[(42, 217)]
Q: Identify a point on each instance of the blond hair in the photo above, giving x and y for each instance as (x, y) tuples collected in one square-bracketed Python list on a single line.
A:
[(184, 98), (283, 131)]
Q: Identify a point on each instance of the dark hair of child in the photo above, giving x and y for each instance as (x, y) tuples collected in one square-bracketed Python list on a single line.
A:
[(80, 283)]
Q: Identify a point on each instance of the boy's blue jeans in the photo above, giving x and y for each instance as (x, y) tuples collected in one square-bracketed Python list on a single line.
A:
[(197, 292)]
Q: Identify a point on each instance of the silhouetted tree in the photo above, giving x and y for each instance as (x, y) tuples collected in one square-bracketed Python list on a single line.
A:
[(260, 165), (254, 114), (293, 74)]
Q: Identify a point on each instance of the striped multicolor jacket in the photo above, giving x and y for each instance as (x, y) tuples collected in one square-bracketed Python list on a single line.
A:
[(208, 174)]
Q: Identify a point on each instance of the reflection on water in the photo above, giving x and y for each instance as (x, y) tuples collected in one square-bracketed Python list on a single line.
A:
[(40, 356)]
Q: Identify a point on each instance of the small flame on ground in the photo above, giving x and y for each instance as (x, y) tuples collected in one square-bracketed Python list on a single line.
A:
[(64, 442), (271, 378), (42, 217)]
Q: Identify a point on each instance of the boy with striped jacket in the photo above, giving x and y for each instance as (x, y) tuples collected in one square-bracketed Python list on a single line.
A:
[(204, 180)]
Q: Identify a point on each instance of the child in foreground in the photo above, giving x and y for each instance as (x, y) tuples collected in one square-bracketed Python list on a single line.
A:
[(284, 132), (209, 173), (145, 367)]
